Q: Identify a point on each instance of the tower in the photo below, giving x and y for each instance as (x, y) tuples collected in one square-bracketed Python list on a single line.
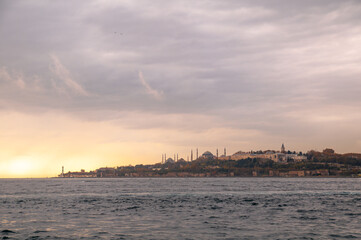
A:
[(283, 150), (225, 152), (217, 153), (197, 152), (191, 155), (62, 171)]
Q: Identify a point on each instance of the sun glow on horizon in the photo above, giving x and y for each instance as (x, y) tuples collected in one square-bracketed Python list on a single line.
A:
[(37, 146), (21, 166), (24, 166)]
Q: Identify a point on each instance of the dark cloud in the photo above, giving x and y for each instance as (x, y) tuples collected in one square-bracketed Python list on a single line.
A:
[(250, 63)]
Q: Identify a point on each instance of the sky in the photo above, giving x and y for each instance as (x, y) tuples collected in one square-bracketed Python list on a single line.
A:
[(89, 84)]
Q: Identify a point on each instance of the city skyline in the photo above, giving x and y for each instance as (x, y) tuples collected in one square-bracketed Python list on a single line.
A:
[(88, 84), (269, 163)]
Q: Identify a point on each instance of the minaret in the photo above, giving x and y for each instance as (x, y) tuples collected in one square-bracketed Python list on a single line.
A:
[(197, 153), (225, 152), (177, 157), (162, 157), (174, 157), (217, 153), (62, 171), (283, 150), (191, 155)]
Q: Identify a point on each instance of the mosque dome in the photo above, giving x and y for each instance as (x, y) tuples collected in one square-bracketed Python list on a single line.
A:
[(169, 160), (207, 154), (181, 160)]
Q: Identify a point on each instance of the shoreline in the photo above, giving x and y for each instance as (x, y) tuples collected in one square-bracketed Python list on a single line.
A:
[(203, 177)]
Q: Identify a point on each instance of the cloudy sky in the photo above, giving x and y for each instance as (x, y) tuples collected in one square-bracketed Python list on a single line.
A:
[(88, 84)]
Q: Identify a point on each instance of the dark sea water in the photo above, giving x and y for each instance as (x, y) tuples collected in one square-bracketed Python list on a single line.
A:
[(181, 208)]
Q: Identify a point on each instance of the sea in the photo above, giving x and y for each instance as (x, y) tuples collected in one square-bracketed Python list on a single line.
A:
[(180, 208)]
